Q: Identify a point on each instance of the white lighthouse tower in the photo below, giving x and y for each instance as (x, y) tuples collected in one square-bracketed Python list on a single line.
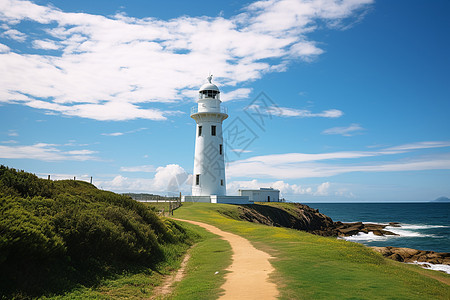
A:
[(209, 162)]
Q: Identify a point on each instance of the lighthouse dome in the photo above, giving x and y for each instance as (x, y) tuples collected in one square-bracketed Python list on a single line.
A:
[(209, 87), (209, 90)]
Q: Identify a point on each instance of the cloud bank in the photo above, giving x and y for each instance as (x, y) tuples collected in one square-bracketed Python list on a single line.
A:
[(118, 67), (303, 165), (46, 152), (171, 178)]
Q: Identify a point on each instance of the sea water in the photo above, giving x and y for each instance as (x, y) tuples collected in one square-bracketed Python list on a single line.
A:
[(423, 226)]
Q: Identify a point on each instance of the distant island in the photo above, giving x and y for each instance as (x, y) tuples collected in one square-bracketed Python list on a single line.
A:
[(441, 199)]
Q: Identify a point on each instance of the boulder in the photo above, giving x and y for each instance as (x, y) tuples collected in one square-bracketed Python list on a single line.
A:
[(413, 255)]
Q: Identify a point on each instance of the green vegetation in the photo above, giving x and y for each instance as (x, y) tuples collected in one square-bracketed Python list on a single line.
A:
[(315, 267), (58, 236), (210, 255), (68, 240)]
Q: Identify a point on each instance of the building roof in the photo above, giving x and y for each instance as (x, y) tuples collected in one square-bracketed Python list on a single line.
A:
[(261, 190), (209, 86)]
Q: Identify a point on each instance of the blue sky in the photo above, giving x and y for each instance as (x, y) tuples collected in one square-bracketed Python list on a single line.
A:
[(341, 101)]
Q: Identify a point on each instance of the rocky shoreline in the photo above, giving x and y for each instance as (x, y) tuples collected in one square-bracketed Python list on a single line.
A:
[(349, 229), (409, 255), (302, 217)]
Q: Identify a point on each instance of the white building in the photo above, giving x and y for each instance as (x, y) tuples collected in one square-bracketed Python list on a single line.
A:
[(209, 163), (261, 195)]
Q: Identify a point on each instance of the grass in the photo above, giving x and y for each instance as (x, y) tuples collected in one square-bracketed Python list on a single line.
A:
[(158, 206), (209, 256), (314, 267), (126, 286)]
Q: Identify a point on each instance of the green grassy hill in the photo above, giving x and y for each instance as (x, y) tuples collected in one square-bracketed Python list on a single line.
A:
[(310, 266), (59, 235)]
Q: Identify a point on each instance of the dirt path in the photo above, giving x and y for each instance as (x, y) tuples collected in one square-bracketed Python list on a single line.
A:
[(249, 270), (167, 287)]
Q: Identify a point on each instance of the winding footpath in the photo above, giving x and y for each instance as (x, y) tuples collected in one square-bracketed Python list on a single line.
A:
[(248, 276)]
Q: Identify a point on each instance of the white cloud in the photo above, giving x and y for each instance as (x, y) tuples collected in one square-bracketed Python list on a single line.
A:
[(112, 110), (113, 134), (4, 48), (169, 179), (345, 131), (81, 152), (323, 189), (301, 165), (13, 132), (293, 112), (114, 68), (420, 145), (122, 133), (304, 113), (241, 150), (10, 142), (46, 45), (15, 35), (45, 152), (287, 189), (237, 94)]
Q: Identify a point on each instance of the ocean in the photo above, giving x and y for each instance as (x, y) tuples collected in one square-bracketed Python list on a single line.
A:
[(424, 226)]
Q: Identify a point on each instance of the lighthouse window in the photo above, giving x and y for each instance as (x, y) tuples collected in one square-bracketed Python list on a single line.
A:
[(209, 94), (220, 149), (213, 129), (221, 181), (199, 130), (197, 179)]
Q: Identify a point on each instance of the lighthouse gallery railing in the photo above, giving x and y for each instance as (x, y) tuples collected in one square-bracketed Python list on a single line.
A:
[(223, 110)]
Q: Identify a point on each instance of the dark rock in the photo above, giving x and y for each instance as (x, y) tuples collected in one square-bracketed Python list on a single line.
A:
[(394, 224), (387, 232), (413, 255), (396, 257), (377, 232)]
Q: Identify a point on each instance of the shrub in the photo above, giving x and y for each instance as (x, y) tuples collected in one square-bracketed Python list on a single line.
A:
[(56, 234)]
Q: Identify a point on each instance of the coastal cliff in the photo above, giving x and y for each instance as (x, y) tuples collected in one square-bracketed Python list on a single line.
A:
[(302, 217)]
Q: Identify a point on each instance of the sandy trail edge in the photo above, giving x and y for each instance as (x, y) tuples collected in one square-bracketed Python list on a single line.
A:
[(167, 287), (249, 270)]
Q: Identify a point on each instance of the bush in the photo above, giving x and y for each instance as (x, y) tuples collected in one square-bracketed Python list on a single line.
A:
[(56, 234)]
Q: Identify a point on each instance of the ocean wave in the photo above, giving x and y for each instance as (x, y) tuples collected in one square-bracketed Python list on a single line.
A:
[(368, 237), (414, 230), (405, 231), (436, 267), (420, 226)]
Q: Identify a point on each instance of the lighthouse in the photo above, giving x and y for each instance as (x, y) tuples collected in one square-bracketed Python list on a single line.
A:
[(208, 184), (209, 162)]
